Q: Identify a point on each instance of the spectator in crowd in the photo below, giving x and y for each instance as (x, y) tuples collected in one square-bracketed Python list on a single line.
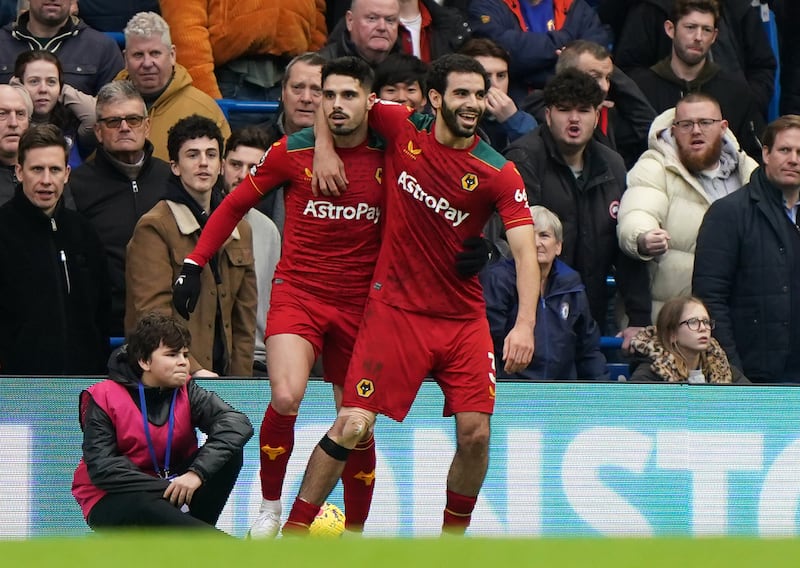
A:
[(113, 16), (122, 182), (121, 480), (301, 94), (400, 78), (747, 262), (165, 85), (740, 46), (581, 180), (56, 102), (16, 109), (54, 292), (692, 27), (223, 327), (693, 160), (625, 115), (89, 58), (503, 121), (533, 31), (429, 30), (787, 13), (243, 152), (238, 50), (567, 338), (680, 348), (369, 31)]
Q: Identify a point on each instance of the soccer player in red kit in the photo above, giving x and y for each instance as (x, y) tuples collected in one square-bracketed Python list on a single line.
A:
[(321, 282), (442, 184)]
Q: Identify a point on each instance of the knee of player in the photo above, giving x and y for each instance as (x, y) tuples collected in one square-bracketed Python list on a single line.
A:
[(286, 401), (355, 425), (473, 439)]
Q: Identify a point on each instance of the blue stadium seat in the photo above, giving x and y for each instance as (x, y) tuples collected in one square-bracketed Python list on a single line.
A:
[(618, 371), (118, 37), (231, 105)]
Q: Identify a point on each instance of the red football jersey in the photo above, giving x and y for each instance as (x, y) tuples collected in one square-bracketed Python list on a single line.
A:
[(330, 244), (437, 196)]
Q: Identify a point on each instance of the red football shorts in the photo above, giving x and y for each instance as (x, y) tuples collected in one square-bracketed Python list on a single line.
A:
[(396, 349), (331, 330)]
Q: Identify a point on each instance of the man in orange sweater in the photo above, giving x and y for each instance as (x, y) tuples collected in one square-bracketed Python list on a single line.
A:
[(239, 49)]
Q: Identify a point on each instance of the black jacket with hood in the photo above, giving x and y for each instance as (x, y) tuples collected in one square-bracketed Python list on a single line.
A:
[(588, 212), (741, 47)]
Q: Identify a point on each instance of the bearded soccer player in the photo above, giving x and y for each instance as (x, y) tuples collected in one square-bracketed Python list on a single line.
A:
[(321, 282), (423, 318)]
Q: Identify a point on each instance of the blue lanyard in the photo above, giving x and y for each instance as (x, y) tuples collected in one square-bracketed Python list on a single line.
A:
[(163, 473)]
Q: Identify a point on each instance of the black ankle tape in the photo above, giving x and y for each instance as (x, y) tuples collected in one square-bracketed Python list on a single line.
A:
[(333, 449)]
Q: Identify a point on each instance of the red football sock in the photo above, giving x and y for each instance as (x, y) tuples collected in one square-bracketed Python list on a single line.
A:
[(300, 517), (276, 440), (458, 512), (358, 482)]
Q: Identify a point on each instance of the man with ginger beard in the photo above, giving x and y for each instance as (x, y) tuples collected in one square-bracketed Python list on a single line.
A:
[(581, 180), (689, 68), (693, 159)]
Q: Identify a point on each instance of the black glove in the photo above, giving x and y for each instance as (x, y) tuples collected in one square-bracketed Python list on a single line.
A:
[(474, 257), (186, 290)]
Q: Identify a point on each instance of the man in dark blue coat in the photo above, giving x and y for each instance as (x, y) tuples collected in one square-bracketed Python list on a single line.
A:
[(747, 263)]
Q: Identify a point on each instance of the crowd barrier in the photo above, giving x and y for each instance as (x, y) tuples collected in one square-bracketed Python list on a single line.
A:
[(567, 459)]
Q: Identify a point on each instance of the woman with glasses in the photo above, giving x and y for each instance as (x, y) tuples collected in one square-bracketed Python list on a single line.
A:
[(56, 102), (680, 347)]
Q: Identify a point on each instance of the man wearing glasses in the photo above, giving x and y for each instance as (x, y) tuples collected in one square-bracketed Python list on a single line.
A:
[(694, 159), (122, 183), (747, 263), (692, 28)]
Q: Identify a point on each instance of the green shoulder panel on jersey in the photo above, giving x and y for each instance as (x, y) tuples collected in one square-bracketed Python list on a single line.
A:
[(488, 155), (301, 140), (421, 121), (375, 141), (304, 140)]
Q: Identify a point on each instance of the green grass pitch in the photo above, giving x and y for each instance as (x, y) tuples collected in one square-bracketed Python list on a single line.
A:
[(195, 551)]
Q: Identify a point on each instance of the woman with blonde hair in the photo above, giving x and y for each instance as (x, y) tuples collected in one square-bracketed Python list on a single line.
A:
[(680, 347)]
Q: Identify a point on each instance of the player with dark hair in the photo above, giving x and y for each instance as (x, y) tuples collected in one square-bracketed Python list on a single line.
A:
[(141, 464), (423, 317), (321, 282)]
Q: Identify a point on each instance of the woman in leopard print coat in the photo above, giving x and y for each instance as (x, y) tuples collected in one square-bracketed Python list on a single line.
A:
[(680, 347)]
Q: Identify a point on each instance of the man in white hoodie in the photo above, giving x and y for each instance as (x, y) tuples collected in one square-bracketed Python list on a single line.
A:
[(693, 159)]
